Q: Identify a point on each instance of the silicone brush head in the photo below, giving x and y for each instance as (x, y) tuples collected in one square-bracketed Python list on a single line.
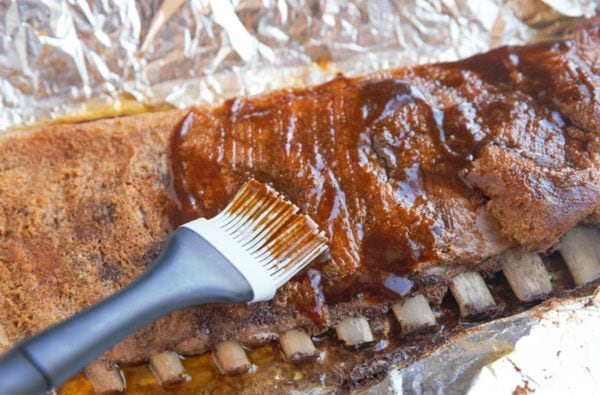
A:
[(264, 236)]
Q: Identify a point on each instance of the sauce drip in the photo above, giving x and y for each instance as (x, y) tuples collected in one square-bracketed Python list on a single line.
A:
[(375, 161)]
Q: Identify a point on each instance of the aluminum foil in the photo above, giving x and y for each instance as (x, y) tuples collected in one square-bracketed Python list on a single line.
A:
[(551, 349), (80, 59)]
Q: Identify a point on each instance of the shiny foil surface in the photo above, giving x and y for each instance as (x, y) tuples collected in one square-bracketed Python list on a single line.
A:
[(79, 59), (552, 348), (70, 60)]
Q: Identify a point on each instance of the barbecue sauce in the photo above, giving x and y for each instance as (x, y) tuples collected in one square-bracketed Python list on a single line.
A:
[(376, 161)]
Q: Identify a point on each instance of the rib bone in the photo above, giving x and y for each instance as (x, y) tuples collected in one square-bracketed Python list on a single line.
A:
[(580, 248), (526, 274), (231, 358), (297, 346), (414, 315), (473, 296), (168, 369), (104, 377), (354, 331)]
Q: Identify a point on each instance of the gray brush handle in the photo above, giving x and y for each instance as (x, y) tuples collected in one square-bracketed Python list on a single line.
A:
[(189, 271)]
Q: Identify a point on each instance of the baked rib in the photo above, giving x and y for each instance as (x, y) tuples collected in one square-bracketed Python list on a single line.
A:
[(416, 175)]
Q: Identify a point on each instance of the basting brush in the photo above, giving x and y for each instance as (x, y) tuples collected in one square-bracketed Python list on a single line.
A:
[(244, 254)]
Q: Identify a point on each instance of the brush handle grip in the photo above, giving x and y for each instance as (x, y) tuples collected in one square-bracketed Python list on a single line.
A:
[(189, 271)]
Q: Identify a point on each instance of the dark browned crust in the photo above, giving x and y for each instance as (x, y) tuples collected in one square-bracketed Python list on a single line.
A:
[(477, 314), (413, 330)]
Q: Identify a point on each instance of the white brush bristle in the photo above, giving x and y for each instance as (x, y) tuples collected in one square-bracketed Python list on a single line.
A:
[(270, 229), (264, 237)]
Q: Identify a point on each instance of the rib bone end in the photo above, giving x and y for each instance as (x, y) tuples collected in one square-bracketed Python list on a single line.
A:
[(168, 369), (354, 331), (414, 315), (230, 358), (526, 274), (105, 377), (297, 346), (473, 296), (580, 248)]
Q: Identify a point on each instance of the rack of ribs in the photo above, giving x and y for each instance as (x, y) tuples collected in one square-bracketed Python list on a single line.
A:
[(424, 178)]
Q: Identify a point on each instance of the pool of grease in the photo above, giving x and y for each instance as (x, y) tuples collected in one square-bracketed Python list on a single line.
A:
[(337, 366), (268, 366)]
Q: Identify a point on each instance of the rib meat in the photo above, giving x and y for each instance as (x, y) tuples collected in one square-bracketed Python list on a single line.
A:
[(403, 168), (413, 173)]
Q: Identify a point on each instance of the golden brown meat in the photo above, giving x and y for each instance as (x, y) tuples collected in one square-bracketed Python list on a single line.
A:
[(411, 172)]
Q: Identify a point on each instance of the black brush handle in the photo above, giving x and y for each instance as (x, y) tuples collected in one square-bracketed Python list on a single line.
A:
[(189, 271)]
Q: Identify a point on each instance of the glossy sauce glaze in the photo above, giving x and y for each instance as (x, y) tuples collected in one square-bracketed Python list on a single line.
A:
[(377, 161)]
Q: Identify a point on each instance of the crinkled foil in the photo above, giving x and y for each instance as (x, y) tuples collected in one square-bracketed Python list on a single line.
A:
[(79, 59), (551, 349), (82, 59)]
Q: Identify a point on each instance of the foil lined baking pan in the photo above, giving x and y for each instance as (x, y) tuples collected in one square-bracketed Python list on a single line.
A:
[(77, 60), (550, 349)]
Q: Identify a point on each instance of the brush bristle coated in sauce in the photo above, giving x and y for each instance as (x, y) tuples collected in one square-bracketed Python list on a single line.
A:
[(270, 229)]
